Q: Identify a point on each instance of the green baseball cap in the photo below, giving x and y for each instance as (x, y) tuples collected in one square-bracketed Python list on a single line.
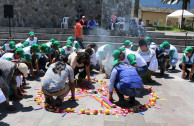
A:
[(25, 44), (70, 38), (35, 47), (69, 44), (20, 52), (148, 39), (116, 62), (122, 48), (188, 50), (56, 45), (45, 48), (52, 40), (108, 46), (31, 33), (165, 44), (116, 54), (12, 45), (127, 42)]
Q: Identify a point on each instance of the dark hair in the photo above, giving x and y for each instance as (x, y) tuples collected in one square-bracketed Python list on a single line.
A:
[(61, 64), (83, 57), (89, 51), (76, 20), (92, 45)]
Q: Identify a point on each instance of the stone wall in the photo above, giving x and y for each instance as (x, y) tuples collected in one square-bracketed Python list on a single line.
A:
[(49, 13)]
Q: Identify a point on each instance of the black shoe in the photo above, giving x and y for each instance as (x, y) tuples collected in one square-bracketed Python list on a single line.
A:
[(168, 67), (132, 101), (173, 68), (48, 100), (58, 102)]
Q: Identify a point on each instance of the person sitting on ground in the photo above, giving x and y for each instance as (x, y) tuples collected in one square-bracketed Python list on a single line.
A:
[(172, 51), (91, 24), (9, 47), (32, 39), (187, 62), (54, 49), (75, 43), (84, 23), (68, 49), (8, 73), (54, 82), (140, 26), (80, 60), (129, 45), (149, 56), (101, 55), (125, 80), (133, 27), (31, 57), (151, 44), (134, 59)]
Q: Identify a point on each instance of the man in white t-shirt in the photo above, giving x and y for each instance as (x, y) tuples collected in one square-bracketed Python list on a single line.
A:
[(121, 21), (32, 39)]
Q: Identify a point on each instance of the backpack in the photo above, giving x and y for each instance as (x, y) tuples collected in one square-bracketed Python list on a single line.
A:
[(128, 77)]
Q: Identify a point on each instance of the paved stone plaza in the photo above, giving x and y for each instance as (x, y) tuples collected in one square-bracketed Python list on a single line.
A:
[(177, 110)]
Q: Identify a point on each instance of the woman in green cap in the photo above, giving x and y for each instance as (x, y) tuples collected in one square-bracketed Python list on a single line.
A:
[(9, 47), (187, 62), (172, 51), (68, 49), (129, 45), (32, 39), (102, 55), (151, 44), (30, 55)]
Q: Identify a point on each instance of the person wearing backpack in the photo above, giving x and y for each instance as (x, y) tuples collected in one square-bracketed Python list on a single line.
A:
[(126, 81)]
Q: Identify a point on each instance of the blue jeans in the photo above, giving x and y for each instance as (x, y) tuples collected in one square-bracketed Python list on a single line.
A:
[(133, 92), (173, 62), (142, 70), (80, 40)]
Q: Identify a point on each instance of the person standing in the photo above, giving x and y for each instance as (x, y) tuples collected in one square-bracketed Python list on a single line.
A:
[(79, 33), (84, 22)]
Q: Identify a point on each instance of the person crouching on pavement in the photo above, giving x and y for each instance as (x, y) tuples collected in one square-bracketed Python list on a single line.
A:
[(8, 73), (187, 62), (55, 81), (126, 81)]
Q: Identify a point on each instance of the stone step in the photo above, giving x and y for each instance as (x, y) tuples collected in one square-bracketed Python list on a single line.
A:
[(95, 38), (180, 48), (152, 34)]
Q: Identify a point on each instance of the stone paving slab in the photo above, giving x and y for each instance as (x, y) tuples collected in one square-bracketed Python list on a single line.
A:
[(177, 110)]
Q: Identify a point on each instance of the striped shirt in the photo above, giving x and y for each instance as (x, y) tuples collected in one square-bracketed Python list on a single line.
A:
[(55, 82)]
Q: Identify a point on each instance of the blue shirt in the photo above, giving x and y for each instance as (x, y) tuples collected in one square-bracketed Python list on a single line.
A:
[(55, 82), (91, 23)]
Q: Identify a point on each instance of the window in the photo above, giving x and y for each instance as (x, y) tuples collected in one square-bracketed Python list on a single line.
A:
[(147, 22), (156, 22)]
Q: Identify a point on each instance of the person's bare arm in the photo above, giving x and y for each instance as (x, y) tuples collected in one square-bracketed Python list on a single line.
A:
[(135, 65), (191, 73), (72, 88), (37, 67), (88, 74), (31, 69), (183, 70), (100, 63)]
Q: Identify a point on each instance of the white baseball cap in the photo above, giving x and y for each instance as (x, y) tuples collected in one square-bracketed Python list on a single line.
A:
[(22, 67)]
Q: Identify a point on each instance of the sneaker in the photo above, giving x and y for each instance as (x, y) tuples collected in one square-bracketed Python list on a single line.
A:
[(174, 67)]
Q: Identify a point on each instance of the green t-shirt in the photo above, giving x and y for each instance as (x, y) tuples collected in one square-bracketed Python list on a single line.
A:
[(132, 59)]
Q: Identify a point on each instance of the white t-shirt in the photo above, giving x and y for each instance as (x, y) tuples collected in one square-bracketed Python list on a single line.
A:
[(100, 49), (121, 19), (139, 59), (8, 55), (153, 46), (7, 48), (19, 45), (175, 53), (68, 52), (140, 25), (32, 42), (149, 56)]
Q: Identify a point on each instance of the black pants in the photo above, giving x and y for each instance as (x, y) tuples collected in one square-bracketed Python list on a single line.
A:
[(186, 68), (83, 73)]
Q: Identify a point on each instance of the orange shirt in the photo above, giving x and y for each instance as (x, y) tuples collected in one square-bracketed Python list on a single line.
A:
[(78, 30)]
